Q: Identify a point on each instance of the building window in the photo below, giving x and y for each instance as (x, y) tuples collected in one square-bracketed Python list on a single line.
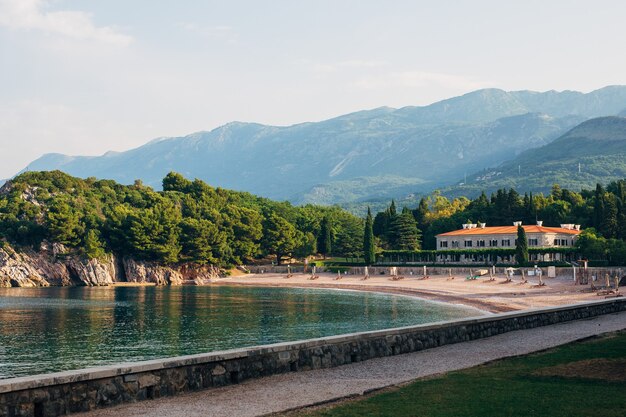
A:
[(443, 244), (455, 243), (533, 242), (480, 243), (493, 243), (506, 242), (468, 243)]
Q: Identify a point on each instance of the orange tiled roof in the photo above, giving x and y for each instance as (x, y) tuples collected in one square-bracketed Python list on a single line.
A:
[(509, 230)]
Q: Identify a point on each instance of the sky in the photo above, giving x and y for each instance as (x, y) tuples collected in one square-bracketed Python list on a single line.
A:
[(85, 77)]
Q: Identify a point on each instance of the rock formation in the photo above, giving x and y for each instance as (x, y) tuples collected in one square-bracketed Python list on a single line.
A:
[(54, 265)]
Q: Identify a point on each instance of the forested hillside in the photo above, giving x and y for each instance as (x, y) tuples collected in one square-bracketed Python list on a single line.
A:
[(189, 221)]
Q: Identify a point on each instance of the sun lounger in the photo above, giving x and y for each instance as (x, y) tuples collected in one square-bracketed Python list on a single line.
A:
[(396, 278)]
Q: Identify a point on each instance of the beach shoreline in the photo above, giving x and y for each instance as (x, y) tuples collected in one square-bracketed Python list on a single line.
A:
[(494, 296)]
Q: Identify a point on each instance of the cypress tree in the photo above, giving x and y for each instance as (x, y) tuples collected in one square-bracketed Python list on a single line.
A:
[(392, 208), (598, 207), (421, 212), (521, 247), (609, 222), (324, 243), (381, 223), (390, 217), (369, 253)]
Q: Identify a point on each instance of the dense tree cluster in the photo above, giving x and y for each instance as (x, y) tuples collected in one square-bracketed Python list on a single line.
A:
[(602, 212), (397, 231), (189, 221)]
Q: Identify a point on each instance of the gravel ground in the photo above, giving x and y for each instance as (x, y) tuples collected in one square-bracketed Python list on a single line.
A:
[(294, 390)]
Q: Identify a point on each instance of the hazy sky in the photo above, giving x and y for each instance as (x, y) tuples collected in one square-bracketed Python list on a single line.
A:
[(84, 77)]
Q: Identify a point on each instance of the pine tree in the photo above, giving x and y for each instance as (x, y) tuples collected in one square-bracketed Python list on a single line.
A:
[(280, 237), (369, 253), (403, 232), (93, 246), (521, 247), (324, 240)]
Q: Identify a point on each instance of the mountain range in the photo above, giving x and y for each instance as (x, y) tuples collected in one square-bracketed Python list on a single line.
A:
[(379, 153)]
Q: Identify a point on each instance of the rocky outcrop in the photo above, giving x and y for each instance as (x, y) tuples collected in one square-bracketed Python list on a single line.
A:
[(93, 272), (151, 272), (16, 270), (165, 275), (55, 265)]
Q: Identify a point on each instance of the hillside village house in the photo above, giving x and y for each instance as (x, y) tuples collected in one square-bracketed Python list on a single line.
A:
[(479, 236)]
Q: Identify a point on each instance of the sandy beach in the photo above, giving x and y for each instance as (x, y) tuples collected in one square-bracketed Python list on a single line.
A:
[(494, 296)]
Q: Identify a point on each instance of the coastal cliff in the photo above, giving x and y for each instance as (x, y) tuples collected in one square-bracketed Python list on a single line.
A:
[(54, 265)]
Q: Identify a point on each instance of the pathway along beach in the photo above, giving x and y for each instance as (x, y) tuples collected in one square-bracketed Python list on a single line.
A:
[(281, 393)]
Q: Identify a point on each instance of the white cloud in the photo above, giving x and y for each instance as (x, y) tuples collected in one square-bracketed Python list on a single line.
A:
[(418, 79), (30, 15)]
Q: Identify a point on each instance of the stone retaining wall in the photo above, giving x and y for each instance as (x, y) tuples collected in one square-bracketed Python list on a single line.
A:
[(82, 390)]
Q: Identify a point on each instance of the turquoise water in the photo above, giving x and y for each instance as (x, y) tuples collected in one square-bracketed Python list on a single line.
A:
[(53, 329)]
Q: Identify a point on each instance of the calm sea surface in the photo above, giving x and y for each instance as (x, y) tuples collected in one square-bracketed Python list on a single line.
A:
[(52, 329)]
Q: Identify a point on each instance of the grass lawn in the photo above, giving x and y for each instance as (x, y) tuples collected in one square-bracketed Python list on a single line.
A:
[(581, 379)]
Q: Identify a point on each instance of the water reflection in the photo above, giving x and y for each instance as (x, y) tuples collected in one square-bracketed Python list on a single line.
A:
[(51, 329)]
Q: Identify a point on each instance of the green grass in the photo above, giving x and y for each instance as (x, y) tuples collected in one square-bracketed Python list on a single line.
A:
[(506, 388)]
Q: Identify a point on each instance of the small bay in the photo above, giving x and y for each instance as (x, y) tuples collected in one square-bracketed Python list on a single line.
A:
[(46, 330)]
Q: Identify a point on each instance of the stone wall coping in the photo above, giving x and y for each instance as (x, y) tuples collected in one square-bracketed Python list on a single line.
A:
[(107, 371)]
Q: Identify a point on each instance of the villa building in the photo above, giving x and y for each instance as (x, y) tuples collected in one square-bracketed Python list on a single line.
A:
[(479, 236)]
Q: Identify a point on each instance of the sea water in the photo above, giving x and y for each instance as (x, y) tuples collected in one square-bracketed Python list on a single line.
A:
[(46, 330)]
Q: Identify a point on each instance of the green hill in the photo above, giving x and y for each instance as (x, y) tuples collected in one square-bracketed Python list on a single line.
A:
[(187, 222), (592, 152)]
